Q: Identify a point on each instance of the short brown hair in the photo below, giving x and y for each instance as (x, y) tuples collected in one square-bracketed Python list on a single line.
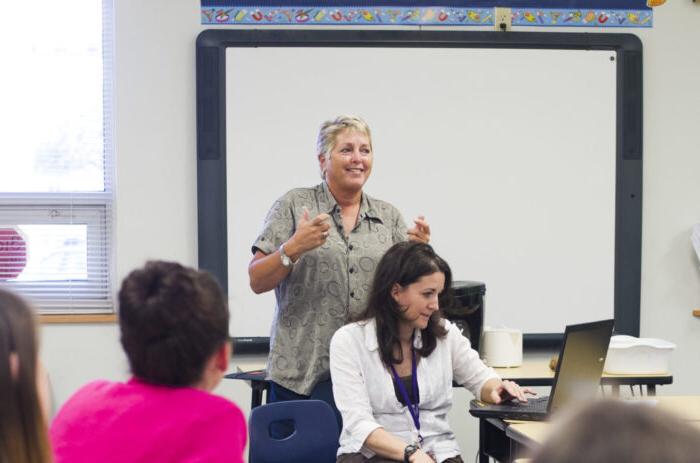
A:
[(172, 319)]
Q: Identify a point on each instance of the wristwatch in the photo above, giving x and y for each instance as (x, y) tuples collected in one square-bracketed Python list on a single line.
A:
[(286, 260), (408, 451)]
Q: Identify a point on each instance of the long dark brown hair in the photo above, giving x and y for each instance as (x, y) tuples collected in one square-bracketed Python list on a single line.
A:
[(405, 263), (23, 435)]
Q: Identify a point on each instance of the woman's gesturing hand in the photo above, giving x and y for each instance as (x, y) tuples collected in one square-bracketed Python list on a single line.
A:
[(310, 234), (421, 232)]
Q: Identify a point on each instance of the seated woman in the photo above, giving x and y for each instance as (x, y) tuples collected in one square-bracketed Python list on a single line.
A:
[(393, 369), (174, 329), (23, 388)]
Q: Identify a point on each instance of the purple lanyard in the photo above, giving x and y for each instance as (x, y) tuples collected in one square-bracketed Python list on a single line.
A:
[(412, 407)]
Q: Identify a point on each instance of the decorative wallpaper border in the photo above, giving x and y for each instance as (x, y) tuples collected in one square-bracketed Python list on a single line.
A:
[(423, 16), (582, 17)]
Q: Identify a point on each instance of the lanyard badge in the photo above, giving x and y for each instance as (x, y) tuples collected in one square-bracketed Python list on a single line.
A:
[(413, 407)]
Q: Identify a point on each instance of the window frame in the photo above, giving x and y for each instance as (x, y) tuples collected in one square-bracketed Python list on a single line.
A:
[(92, 208)]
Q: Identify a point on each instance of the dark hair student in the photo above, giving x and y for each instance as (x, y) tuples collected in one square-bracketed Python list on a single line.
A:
[(166, 341), (174, 330)]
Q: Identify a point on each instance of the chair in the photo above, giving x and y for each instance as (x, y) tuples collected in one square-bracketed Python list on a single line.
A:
[(314, 439)]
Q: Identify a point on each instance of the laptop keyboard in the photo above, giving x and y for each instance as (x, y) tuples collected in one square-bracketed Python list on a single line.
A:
[(536, 404)]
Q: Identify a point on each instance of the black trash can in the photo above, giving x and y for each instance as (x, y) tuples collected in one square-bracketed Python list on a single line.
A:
[(467, 310)]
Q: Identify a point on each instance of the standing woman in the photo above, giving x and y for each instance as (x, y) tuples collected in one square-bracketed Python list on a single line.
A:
[(23, 397), (318, 250), (393, 369)]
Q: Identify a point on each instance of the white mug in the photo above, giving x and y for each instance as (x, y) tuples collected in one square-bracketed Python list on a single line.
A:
[(502, 347)]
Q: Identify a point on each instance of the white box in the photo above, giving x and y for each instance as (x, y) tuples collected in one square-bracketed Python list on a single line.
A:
[(628, 355)]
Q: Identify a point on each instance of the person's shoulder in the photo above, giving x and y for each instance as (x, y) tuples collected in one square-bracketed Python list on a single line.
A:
[(284, 206), (294, 198), (449, 326), (227, 410), (211, 424), (454, 335), (382, 207), (223, 427), (345, 331), (351, 331), (83, 402), (100, 385), (215, 410), (95, 390), (218, 402), (451, 329), (300, 192), (380, 203)]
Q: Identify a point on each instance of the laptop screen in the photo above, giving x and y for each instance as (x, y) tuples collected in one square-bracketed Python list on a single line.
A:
[(581, 362)]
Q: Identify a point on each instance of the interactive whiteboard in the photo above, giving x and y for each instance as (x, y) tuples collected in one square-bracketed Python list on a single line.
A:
[(511, 153)]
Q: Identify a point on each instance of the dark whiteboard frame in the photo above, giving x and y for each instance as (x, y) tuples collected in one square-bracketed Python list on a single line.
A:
[(211, 139)]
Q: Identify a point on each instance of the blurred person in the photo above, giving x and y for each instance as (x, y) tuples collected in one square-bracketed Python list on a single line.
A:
[(24, 403), (613, 431)]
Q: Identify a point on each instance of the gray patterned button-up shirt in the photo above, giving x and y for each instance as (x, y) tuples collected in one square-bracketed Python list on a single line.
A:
[(327, 285)]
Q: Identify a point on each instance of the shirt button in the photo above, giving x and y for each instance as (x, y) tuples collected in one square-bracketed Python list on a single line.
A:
[(350, 247), (352, 269), (352, 293)]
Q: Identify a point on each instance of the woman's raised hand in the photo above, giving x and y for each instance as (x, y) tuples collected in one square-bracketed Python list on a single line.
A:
[(421, 231), (310, 234)]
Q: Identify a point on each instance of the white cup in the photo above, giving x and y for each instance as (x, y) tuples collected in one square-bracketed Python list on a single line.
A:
[(502, 347)]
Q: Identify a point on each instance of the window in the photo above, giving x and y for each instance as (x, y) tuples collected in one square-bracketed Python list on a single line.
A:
[(56, 157)]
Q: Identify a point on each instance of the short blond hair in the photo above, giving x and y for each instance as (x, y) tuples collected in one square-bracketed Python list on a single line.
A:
[(330, 129)]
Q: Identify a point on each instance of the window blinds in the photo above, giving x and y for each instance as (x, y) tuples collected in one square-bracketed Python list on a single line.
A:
[(56, 189)]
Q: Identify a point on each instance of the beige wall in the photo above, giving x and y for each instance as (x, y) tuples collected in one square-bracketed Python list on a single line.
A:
[(156, 190)]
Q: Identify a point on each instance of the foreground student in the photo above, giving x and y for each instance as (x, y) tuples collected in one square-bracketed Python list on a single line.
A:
[(23, 392), (174, 330), (393, 369), (611, 431)]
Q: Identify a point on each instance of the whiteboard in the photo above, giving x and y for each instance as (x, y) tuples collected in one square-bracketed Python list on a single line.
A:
[(509, 153)]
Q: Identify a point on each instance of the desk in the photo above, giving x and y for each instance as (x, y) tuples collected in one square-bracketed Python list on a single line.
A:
[(492, 432), (254, 372), (532, 434), (507, 439), (538, 373), (532, 373)]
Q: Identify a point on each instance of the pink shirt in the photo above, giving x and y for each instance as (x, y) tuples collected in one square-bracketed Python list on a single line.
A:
[(140, 422)]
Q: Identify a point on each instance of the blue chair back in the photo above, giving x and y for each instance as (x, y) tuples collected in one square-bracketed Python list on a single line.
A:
[(314, 438)]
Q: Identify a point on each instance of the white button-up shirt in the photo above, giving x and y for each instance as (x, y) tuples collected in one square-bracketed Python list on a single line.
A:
[(363, 388)]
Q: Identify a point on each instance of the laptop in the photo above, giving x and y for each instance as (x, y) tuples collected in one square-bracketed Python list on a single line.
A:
[(576, 379)]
